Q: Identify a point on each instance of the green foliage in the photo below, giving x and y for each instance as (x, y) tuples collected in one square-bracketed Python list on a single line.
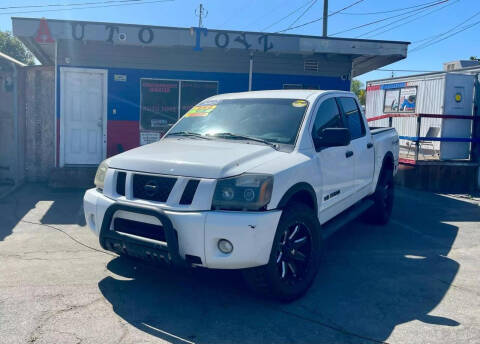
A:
[(359, 89), (474, 58), (13, 47)]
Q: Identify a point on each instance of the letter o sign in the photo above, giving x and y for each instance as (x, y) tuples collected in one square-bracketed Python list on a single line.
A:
[(221, 42), (145, 35)]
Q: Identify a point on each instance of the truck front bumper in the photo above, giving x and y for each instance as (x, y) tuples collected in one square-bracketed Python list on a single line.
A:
[(187, 234)]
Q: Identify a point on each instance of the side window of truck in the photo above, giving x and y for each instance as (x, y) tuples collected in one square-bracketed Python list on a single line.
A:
[(328, 116), (353, 117)]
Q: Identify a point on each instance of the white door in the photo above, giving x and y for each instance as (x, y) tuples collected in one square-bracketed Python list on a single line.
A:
[(458, 101), (361, 144), (83, 116), (335, 164)]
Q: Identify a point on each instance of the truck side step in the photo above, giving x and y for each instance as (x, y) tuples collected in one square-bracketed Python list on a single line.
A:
[(345, 217)]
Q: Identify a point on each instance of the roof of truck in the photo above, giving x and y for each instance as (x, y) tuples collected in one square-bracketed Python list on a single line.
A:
[(289, 94)]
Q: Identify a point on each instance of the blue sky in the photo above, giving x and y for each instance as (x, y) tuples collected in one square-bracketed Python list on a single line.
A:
[(255, 15)]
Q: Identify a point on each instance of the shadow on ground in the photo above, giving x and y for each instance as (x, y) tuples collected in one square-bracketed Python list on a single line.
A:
[(372, 279), (66, 207)]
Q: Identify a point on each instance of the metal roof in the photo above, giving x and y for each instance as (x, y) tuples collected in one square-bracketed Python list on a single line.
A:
[(467, 70), (40, 35)]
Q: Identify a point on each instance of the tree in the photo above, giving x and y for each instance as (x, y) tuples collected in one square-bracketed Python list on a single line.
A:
[(474, 58), (13, 47), (359, 89)]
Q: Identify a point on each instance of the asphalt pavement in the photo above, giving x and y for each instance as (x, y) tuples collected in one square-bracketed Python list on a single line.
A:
[(416, 280)]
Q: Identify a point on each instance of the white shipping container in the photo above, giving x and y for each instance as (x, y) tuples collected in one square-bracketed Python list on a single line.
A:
[(435, 94)]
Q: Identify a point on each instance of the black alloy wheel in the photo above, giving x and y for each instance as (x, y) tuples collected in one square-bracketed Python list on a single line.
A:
[(294, 258), (294, 253)]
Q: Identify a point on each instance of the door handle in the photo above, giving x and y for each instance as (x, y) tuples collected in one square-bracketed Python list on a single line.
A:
[(348, 154), (369, 145)]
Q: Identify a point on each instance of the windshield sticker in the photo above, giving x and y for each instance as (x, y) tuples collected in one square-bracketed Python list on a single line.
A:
[(200, 111), (299, 103)]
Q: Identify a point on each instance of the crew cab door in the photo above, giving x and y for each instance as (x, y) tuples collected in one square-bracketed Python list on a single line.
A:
[(334, 164), (361, 145)]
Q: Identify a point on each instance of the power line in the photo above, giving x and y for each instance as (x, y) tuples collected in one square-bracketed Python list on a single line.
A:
[(432, 38), (387, 18), (287, 16), (406, 70), (426, 45), (321, 18), (135, 2), (417, 16), (303, 13), (235, 13), (388, 11), (64, 5)]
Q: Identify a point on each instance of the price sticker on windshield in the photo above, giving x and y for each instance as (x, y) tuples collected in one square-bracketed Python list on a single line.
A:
[(299, 103), (200, 111)]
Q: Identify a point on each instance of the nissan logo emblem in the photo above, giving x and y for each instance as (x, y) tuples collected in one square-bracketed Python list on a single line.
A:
[(151, 187)]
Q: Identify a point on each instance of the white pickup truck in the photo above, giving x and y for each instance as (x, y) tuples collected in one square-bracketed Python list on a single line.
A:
[(253, 181)]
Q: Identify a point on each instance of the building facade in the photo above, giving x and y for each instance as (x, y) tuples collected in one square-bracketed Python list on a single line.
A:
[(119, 86)]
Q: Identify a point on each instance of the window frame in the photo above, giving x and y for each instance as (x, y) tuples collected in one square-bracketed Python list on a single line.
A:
[(360, 113), (316, 109), (399, 89), (179, 105)]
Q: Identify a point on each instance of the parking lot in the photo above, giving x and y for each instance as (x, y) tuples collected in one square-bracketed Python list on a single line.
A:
[(415, 281)]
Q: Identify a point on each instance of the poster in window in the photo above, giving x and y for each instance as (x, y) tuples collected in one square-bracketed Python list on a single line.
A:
[(391, 100), (159, 108), (408, 99), (193, 92)]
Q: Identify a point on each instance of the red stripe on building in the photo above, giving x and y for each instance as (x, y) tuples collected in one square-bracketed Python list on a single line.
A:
[(122, 136)]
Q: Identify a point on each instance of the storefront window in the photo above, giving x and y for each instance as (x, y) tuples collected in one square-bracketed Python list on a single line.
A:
[(408, 99), (193, 92), (400, 100), (159, 104), (391, 100)]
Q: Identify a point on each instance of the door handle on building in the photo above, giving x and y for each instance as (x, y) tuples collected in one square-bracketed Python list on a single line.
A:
[(369, 145), (348, 154)]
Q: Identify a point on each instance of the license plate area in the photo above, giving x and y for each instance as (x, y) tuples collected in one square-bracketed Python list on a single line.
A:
[(138, 225)]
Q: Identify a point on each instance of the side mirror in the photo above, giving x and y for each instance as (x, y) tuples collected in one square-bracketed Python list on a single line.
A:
[(332, 137)]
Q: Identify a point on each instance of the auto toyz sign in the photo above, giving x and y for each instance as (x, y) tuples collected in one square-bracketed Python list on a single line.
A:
[(47, 31)]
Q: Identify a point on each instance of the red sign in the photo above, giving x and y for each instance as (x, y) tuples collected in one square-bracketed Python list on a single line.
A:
[(43, 33)]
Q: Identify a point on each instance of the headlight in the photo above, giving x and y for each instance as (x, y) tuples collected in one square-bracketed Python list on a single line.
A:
[(245, 192), (100, 175)]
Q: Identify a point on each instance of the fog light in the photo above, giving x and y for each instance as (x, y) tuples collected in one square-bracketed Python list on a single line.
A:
[(225, 246)]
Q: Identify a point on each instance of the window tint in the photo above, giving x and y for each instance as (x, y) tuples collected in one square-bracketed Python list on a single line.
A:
[(328, 116), (353, 117)]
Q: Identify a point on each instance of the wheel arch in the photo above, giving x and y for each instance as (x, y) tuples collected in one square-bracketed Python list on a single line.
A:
[(388, 161), (300, 192)]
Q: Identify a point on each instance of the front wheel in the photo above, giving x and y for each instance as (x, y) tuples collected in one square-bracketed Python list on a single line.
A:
[(383, 197), (294, 258)]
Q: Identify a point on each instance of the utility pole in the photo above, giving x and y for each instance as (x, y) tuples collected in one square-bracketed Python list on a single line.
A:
[(325, 17), (201, 13)]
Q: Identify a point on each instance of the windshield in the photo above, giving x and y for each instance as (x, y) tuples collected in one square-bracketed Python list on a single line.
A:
[(272, 120)]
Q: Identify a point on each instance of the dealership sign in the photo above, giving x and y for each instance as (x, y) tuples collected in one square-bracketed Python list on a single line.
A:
[(196, 37)]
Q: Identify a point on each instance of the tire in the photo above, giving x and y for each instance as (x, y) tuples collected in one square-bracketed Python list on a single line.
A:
[(380, 212), (294, 258)]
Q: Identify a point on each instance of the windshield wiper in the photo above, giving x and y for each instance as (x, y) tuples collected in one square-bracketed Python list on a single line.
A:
[(244, 137), (188, 133)]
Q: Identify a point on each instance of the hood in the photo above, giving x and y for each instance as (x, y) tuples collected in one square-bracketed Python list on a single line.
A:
[(191, 157)]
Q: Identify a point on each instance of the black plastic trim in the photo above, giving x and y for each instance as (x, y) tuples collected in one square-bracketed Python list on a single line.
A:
[(296, 189), (189, 192), (121, 181), (170, 233)]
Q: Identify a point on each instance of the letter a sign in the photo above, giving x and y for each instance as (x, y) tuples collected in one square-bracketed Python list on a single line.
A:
[(43, 33)]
